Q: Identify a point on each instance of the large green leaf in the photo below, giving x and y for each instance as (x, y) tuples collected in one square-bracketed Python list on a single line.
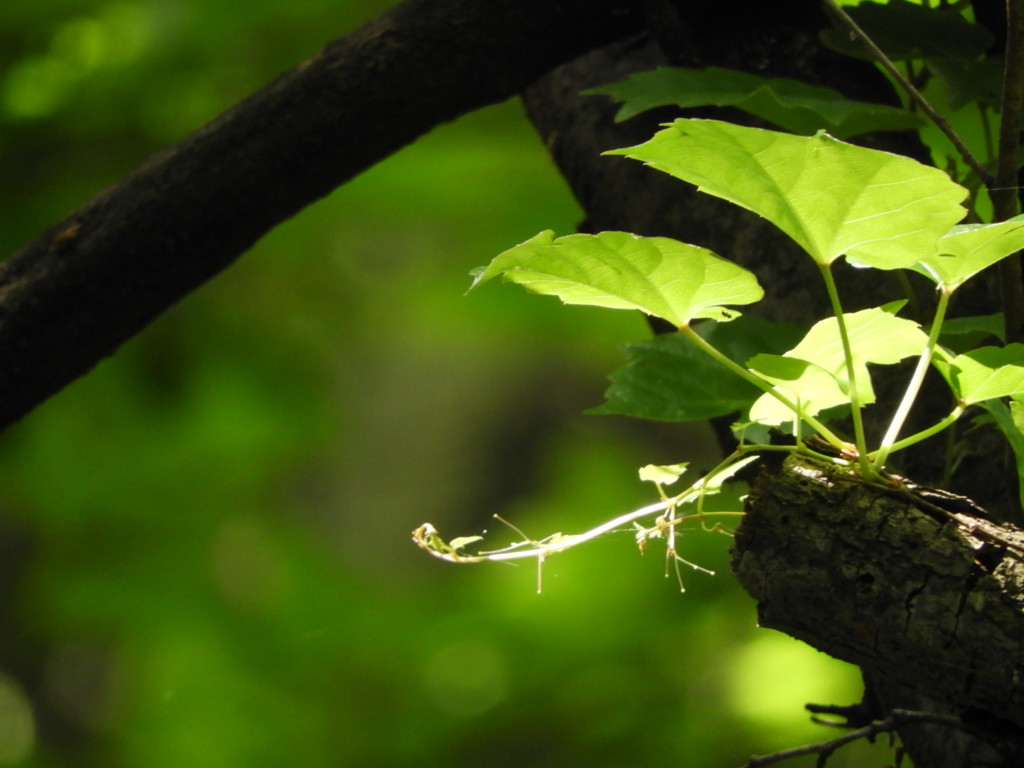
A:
[(668, 378), (968, 78), (791, 105), (809, 386), (662, 277), (969, 248), (816, 375), (986, 373), (832, 198)]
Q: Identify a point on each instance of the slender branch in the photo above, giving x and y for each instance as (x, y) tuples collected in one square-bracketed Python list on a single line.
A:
[(851, 370), (898, 718), (916, 96), (427, 537), (924, 434), (86, 285), (914, 386), (1004, 192)]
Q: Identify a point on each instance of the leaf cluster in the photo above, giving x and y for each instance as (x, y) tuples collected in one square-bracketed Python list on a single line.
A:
[(879, 210), (834, 199)]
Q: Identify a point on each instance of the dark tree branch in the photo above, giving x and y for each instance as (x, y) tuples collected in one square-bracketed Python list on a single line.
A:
[(77, 292), (928, 601), (824, 749)]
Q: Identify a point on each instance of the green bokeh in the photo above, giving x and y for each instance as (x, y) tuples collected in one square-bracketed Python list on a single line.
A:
[(204, 544)]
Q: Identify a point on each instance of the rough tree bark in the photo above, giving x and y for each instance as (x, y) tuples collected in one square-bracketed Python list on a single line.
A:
[(930, 607), (928, 599)]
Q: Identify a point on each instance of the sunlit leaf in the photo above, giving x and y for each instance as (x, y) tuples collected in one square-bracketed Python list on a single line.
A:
[(662, 277), (831, 197), (986, 373), (464, 541), (662, 474), (809, 386), (715, 483), (817, 377), (968, 249), (791, 105), (778, 367), (668, 378)]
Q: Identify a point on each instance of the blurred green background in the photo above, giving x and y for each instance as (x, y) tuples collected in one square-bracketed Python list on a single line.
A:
[(205, 554)]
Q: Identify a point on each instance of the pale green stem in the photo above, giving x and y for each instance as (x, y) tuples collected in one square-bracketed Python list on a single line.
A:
[(924, 434), (763, 385), (914, 386), (427, 537), (844, 336)]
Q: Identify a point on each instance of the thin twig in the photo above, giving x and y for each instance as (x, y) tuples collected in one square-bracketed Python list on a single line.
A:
[(824, 749), (1005, 200), (914, 94)]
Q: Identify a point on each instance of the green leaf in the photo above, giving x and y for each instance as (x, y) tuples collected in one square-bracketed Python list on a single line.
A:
[(969, 248), (811, 387), (662, 277), (662, 474), (715, 483), (1011, 423), (986, 373), (463, 541), (969, 79), (779, 367), (830, 197), (817, 379), (960, 334), (791, 105), (668, 378)]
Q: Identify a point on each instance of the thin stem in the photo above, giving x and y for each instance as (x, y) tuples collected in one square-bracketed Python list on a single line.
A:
[(918, 98), (914, 386), (896, 719), (949, 463), (844, 336), (1003, 192), (924, 434), (763, 385), (427, 537)]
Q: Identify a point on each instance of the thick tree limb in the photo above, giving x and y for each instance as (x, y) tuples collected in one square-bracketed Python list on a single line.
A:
[(81, 289), (929, 602)]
